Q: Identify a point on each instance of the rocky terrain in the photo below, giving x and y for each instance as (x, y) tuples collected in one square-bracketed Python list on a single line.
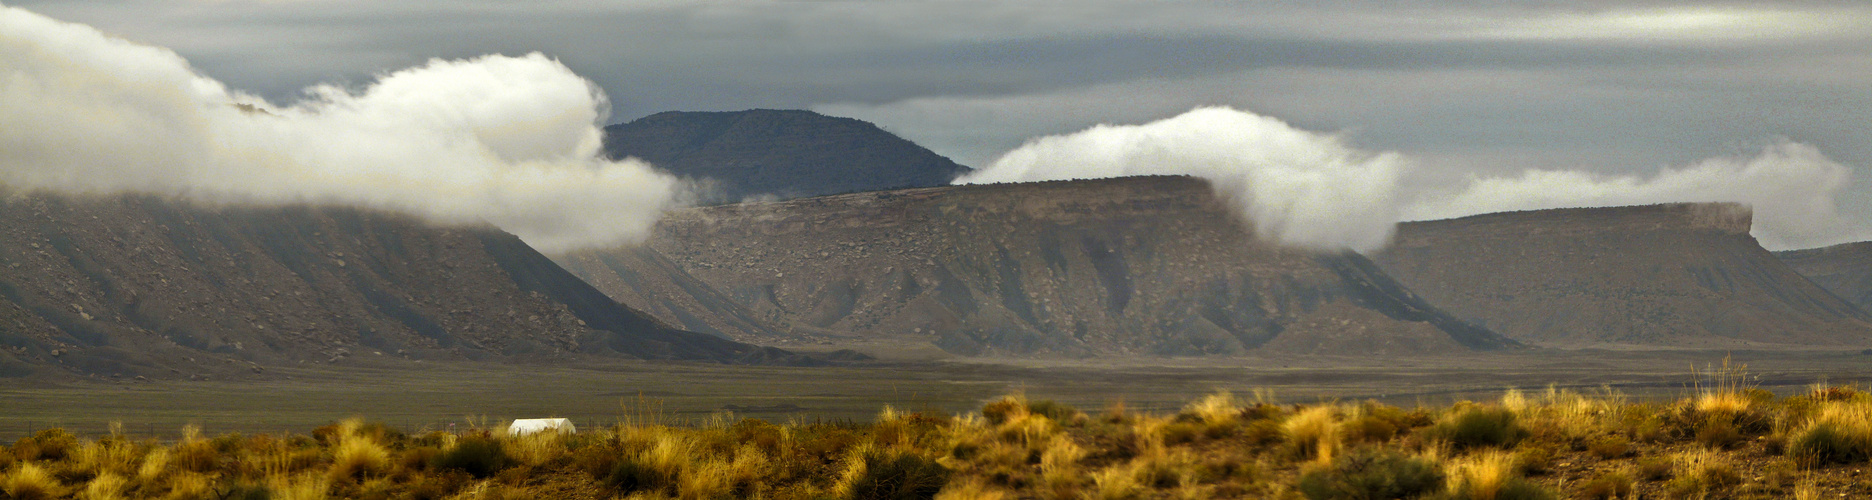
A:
[(145, 286), (778, 153), (1844, 269), (1142, 265), (648, 281), (1676, 275)]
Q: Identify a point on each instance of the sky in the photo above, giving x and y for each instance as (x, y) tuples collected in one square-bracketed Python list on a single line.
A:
[(1598, 94)]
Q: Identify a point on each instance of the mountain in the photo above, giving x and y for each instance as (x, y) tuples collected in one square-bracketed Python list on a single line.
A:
[(1140, 265), (1845, 270), (140, 285), (648, 281), (1681, 275), (778, 153)]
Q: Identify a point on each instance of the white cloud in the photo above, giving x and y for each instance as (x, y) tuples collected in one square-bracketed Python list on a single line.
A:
[(509, 140), (1312, 190), (1296, 187), (1793, 187)]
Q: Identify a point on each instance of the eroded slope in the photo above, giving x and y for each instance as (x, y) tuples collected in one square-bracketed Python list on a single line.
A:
[(1143, 265), (141, 285)]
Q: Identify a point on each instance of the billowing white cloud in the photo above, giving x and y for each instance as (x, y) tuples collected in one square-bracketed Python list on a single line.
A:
[(1312, 190), (509, 140), (1296, 187), (1793, 187)]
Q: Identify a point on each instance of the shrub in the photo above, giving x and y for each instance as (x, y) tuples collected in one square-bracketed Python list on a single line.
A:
[(1479, 426), (1718, 433), (1369, 429), (478, 456), (1608, 486), (357, 457), (1371, 474), (1702, 475), (897, 476), (1312, 432), (47, 444), (1492, 476), (1610, 447), (1655, 468), (30, 482), (1838, 433)]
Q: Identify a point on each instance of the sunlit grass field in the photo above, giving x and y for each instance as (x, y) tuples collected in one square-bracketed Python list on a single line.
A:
[(1727, 438)]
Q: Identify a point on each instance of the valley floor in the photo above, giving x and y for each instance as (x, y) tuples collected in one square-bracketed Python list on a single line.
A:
[(426, 396)]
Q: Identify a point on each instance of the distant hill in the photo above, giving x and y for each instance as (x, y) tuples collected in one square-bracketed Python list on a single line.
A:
[(779, 153), (140, 285), (1139, 265), (1844, 269), (1676, 275)]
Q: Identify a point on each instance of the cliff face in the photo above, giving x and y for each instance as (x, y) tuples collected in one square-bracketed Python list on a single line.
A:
[(140, 285), (1681, 275), (780, 153), (1143, 265), (1845, 270)]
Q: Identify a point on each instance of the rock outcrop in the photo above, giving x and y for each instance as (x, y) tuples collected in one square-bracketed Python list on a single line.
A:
[(1141, 265), (778, 153), (141, 285), (1677, 275)]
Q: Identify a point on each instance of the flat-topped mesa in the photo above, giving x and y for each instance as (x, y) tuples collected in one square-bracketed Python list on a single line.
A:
[(1724, 217), (1675, 275), (1136, 265)]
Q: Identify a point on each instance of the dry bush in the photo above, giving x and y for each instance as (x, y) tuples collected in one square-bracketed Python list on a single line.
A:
[(29, 481), (972, 489), (47, 444), (305, 486), (1117, 482), (1313, 433), (1371, 473), (1839, 432), (105, 486), (1702, 474), (1478, 426), (1610, 447), (358, 457), (1491, 475), (1608, 486)]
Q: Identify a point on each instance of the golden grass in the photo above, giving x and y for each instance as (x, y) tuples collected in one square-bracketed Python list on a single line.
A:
[(1482, 476), (1025, 449), (106, 486), (29, 481), (1314, 432)]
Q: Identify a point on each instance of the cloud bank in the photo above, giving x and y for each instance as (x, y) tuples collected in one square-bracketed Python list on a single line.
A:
[(1312, 190), (1296, 187), (513, 141)]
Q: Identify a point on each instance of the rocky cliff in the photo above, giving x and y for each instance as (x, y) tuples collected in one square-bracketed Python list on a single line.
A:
[(1142, 265), (1677, 275), (1845, 270), (778, 153), (139, 285)]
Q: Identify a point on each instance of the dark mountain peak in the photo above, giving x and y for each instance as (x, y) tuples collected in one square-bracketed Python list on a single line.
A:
[(783, 153)]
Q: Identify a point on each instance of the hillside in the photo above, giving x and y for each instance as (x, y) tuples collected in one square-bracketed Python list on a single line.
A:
[(780, 153), (1677, 275), (1143, 265), (648, 281), (1844, 269), (139, 285)]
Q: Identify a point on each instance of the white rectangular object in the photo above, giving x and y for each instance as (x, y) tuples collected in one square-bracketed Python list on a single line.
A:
[(524, 426)]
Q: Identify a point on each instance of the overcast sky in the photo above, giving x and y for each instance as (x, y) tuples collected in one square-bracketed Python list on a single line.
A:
[(1467, 86)]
